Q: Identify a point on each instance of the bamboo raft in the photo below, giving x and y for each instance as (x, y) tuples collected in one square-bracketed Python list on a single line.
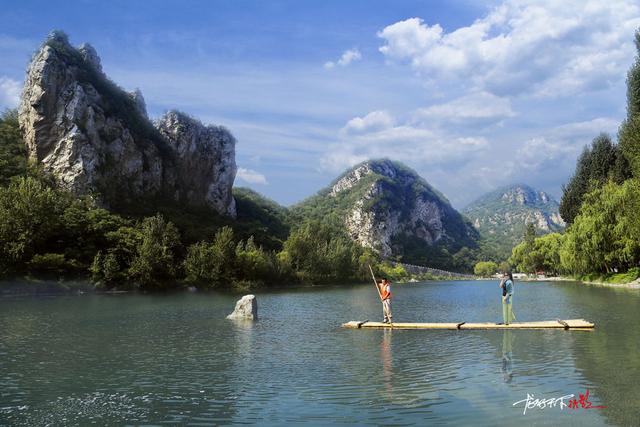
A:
[(545, 324)]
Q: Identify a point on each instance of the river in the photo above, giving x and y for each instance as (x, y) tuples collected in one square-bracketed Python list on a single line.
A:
[(175, 360)]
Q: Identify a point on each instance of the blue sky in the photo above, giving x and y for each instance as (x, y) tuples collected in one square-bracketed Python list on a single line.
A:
[(472, 95)]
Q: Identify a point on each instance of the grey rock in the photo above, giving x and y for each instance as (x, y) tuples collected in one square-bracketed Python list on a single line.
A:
[(420, 213), (207, 166), (95, 138), (246, 308)]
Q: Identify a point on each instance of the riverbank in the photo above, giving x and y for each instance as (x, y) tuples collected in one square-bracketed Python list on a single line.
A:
[(634, 284), (613, 281)]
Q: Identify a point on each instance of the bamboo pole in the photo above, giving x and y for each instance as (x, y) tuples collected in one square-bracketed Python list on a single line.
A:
[(375, 282)]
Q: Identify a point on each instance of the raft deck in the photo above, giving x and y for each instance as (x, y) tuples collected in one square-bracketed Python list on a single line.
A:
[(545, 324)]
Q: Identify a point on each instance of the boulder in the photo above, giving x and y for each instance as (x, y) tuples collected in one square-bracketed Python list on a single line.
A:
[(246, 308)]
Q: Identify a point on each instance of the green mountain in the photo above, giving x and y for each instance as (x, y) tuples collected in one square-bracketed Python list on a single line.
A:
[(389, 208), (261, 217), (501, 216)]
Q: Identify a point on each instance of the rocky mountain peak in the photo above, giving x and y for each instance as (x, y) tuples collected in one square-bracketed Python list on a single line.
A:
[(389, 208), (95, 138), (384, 168), (524, 195), (501, 215)]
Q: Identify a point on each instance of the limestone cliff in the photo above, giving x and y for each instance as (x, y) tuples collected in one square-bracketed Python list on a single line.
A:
[(501, 215), (95, 138), (387, 207)]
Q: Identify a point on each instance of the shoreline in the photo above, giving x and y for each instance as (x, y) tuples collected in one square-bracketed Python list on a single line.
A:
[(25, 287), (635, 284)]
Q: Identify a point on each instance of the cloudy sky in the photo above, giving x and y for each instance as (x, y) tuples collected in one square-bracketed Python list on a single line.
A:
[(472, 95)]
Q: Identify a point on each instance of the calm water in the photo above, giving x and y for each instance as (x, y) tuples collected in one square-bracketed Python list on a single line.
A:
[(175, 359)]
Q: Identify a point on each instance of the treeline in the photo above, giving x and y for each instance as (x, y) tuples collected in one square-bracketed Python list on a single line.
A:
[(600, 204)]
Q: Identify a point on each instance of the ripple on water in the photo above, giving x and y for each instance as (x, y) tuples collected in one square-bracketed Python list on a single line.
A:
[(176, 360)]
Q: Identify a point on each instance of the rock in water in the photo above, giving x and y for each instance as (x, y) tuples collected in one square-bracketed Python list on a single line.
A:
[(95, 138), (246, 308)]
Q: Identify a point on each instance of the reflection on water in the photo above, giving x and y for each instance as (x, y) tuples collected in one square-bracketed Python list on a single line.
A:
[(387, 362), (175, 359), (507, 355)]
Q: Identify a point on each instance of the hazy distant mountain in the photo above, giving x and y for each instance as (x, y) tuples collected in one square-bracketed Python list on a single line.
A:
[(501, 215)]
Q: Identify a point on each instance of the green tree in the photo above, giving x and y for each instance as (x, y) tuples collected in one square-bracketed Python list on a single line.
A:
[(606, 234), (599, 163), (321, 252), (255, 265), (485, 268), (214, 264), (199, 264), (13, 156), (504, 266), (629, 132), (155, 262), (546, 253), (524, 256), (29, 219), (224, 255)]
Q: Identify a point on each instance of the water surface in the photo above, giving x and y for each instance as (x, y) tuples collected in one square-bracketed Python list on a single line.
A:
[(175, 359)]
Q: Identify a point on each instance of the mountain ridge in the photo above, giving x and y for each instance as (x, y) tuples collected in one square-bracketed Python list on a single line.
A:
[(501, 215), (387, 207)]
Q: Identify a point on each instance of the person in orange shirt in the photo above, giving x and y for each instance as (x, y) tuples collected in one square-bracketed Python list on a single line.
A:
[(385, 296)]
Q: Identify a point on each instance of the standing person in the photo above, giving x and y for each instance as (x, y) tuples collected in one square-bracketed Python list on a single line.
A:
[(385, 296), (506, 284)]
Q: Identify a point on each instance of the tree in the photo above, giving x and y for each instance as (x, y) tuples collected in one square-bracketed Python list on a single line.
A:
[(29, 219), (629, 132), (200, 266), (155, 262), (599, 163), (223, 251), (485, 269), (605, 236), (257, 265), (13, 156), (321, 252), (546, 253)]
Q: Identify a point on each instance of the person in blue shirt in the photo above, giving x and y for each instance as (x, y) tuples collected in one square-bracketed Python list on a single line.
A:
[(506, 284)]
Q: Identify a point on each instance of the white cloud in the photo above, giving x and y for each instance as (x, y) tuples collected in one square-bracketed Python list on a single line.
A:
[(9, 92), (375, 120), (558, 147), (524, 46), (474, 106), (251, 177), (348, 56), (378, 134)]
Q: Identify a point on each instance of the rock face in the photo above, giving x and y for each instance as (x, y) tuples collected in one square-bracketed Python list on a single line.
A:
[(389, 208), (207, 165), (502, 215), (246, 308), (95, 138)]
